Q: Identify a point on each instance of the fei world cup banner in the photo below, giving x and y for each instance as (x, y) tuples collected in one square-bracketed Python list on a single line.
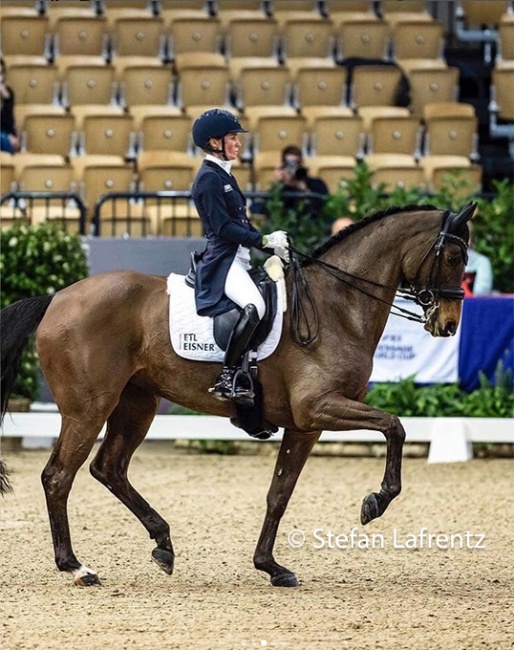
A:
[(407, 349)]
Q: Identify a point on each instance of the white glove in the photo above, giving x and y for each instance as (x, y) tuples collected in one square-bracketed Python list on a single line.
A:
[(278, 242)]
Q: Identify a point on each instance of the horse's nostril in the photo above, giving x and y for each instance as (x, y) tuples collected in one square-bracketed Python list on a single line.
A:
[(451, 328)]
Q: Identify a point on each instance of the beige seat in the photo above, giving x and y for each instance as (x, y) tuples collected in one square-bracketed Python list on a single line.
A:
[(229, 10), (7, 182), (506, 39), (320, 87), (49, 134), (375, 86), (462, 182), (340, 11), (34, 84), (294, 65), (478, 14), (81, 111), (140, 113), (85, 84), (52, 178), (24, 35), (265, 163), (139, 36), (250, 37), (448, 109), (175, 217), (312, 113), (307, 38), (173, 9), (99, 175), (395, 170), (108, 135), (369, 113), (194, 35), (84, 35), (159, 132), (198, 60), (143, 84), (396, 12), (395, 135), (285, 11), (263, 87), (116, 9), (501, 93), (69, 9), (363, 38), (418, 40), (457, 136), (254, 113), (274, 133), (334, 170), (165, 171), (206, 86), (432, 87), (336, 136), (24, 110)]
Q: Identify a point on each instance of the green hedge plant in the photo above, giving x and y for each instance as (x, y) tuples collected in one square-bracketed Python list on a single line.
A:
[(34, 261)]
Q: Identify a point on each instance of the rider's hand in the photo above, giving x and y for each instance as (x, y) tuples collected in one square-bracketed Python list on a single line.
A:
[(278, 242)]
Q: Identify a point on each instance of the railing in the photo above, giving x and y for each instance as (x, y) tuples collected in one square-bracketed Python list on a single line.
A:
[(65, 208)]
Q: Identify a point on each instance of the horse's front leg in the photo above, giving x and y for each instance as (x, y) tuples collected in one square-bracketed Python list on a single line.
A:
[(294, 451), (333, 412)]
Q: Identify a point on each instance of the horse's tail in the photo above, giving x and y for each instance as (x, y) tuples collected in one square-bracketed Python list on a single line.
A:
[(17, 323)]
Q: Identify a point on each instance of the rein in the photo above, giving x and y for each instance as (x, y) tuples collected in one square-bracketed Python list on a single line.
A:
[(426, 298)]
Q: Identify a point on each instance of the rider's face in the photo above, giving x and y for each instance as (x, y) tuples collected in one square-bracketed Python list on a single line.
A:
[(232, 146)]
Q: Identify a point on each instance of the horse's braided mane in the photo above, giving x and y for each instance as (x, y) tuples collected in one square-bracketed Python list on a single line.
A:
[(358, 225)]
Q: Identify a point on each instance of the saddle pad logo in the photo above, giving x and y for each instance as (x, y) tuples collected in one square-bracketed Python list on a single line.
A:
[(188, 342)]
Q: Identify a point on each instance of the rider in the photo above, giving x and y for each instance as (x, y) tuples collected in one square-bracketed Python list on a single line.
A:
[(222, 272)]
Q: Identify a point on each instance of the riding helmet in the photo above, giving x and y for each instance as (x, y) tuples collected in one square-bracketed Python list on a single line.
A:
[(214, 123)]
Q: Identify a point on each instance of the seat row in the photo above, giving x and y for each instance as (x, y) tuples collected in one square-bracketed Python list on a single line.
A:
[(204, 81), (92, 177), (447, 128), (133, 35)]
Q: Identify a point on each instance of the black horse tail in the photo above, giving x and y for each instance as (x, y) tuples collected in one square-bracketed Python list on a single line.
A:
[(17, 322)]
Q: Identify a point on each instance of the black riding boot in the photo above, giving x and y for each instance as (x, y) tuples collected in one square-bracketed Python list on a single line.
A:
[(237, 345)]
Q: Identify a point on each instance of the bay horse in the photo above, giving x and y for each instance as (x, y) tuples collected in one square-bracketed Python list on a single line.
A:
[(104, 348)]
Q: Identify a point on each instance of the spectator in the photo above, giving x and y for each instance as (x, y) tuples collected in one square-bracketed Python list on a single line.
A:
[(478, 274), (294, 177), (9, 136), (341, 224)]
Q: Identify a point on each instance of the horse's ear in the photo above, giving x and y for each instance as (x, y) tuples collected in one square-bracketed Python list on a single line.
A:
[(463, 216)]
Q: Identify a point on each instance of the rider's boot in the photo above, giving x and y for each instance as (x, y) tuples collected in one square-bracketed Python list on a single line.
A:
[(239, 340)]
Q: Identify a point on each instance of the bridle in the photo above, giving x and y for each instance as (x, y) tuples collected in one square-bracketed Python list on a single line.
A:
[(427, 298)]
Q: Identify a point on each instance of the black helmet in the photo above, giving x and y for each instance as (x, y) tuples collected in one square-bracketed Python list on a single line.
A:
[(214, 123)]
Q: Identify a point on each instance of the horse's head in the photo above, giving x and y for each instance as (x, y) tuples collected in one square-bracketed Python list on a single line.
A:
[(437, 281)]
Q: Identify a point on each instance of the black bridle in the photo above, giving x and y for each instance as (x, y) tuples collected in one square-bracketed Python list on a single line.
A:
[(427, 297)]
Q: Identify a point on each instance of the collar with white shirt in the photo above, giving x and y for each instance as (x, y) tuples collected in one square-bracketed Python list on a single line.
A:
[(226, 165)]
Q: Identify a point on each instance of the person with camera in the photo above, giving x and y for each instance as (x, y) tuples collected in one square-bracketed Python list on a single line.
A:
[(294, 177), (9, 140), (222, 277)]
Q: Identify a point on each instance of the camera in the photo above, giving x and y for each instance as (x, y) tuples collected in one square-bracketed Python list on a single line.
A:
[(294, 169)]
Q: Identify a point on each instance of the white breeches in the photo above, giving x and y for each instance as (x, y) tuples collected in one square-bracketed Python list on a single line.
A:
[(239, 287)]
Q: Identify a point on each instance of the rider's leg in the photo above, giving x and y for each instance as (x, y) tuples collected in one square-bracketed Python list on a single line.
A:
[(240, 288)]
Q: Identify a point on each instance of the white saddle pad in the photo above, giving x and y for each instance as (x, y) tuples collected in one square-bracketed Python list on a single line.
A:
[(192, 335)]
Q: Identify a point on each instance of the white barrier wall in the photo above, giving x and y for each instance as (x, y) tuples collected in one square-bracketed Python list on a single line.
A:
[(450, 439)]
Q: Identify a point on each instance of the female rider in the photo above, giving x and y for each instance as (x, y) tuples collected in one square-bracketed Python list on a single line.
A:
[(222, 272)]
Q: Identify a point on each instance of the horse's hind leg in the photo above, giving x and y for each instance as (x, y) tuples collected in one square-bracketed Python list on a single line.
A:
[(126, 429), (75, 442)]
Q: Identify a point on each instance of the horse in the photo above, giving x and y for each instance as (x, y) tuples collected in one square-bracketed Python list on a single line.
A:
[(105, 351)]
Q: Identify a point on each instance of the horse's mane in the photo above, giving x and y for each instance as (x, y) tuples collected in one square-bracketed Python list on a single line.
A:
[(358, 225)]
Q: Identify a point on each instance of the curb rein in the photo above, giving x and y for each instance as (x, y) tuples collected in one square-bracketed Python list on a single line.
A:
[(427, 298)]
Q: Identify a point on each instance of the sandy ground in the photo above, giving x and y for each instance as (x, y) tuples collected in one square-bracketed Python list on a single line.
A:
[(380, 597)]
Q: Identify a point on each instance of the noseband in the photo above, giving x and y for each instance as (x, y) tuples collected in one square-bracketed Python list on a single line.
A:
[(427, 298)]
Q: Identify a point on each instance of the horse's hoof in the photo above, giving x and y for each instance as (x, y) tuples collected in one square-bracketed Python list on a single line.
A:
[(370, 509), (165, 559), (284, 580), (88, 580)]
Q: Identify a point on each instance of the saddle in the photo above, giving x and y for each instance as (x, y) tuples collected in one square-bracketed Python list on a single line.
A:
[(224, 323), (249, 418)]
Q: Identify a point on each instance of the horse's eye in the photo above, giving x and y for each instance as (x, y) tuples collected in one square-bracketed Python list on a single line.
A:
[(454, 259)]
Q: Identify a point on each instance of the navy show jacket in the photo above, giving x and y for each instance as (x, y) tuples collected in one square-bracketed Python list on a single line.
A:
[(221, 206)]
